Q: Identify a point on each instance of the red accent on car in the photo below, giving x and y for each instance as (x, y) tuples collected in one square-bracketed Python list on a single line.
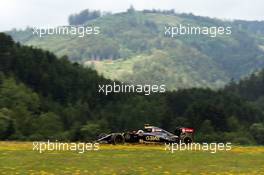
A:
[(187, 130)]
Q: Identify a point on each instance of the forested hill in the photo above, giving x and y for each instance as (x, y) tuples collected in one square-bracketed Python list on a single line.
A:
[(132, 47), (250, 88), (43, 97)]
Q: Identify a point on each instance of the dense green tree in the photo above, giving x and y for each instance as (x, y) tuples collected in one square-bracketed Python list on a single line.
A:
[(6, 124), (257, 131), (83, 17), (48, 125), (92, 130)]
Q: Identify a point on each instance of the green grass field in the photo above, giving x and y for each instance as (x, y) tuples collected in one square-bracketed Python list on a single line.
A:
[(19, 158)]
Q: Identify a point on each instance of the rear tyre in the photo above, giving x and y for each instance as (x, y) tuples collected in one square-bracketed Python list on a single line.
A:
[(117, 139), (187, 140)]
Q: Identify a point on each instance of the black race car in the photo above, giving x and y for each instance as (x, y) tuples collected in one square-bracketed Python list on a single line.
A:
[(149, 134)]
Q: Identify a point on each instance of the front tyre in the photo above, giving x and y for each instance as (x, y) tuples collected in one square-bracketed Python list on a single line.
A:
[(117, 139)]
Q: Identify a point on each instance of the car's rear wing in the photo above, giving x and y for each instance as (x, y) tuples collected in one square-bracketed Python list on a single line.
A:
[(188, 130)]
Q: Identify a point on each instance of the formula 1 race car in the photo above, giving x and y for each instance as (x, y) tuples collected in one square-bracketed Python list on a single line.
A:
[(150, 134)]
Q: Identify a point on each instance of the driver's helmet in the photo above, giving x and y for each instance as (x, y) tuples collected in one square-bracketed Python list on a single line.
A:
[(140, 132)]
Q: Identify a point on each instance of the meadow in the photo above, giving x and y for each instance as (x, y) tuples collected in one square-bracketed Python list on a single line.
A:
[(19, 158)]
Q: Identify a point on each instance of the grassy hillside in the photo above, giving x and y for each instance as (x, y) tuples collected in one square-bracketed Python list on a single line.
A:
[(135, 44)]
